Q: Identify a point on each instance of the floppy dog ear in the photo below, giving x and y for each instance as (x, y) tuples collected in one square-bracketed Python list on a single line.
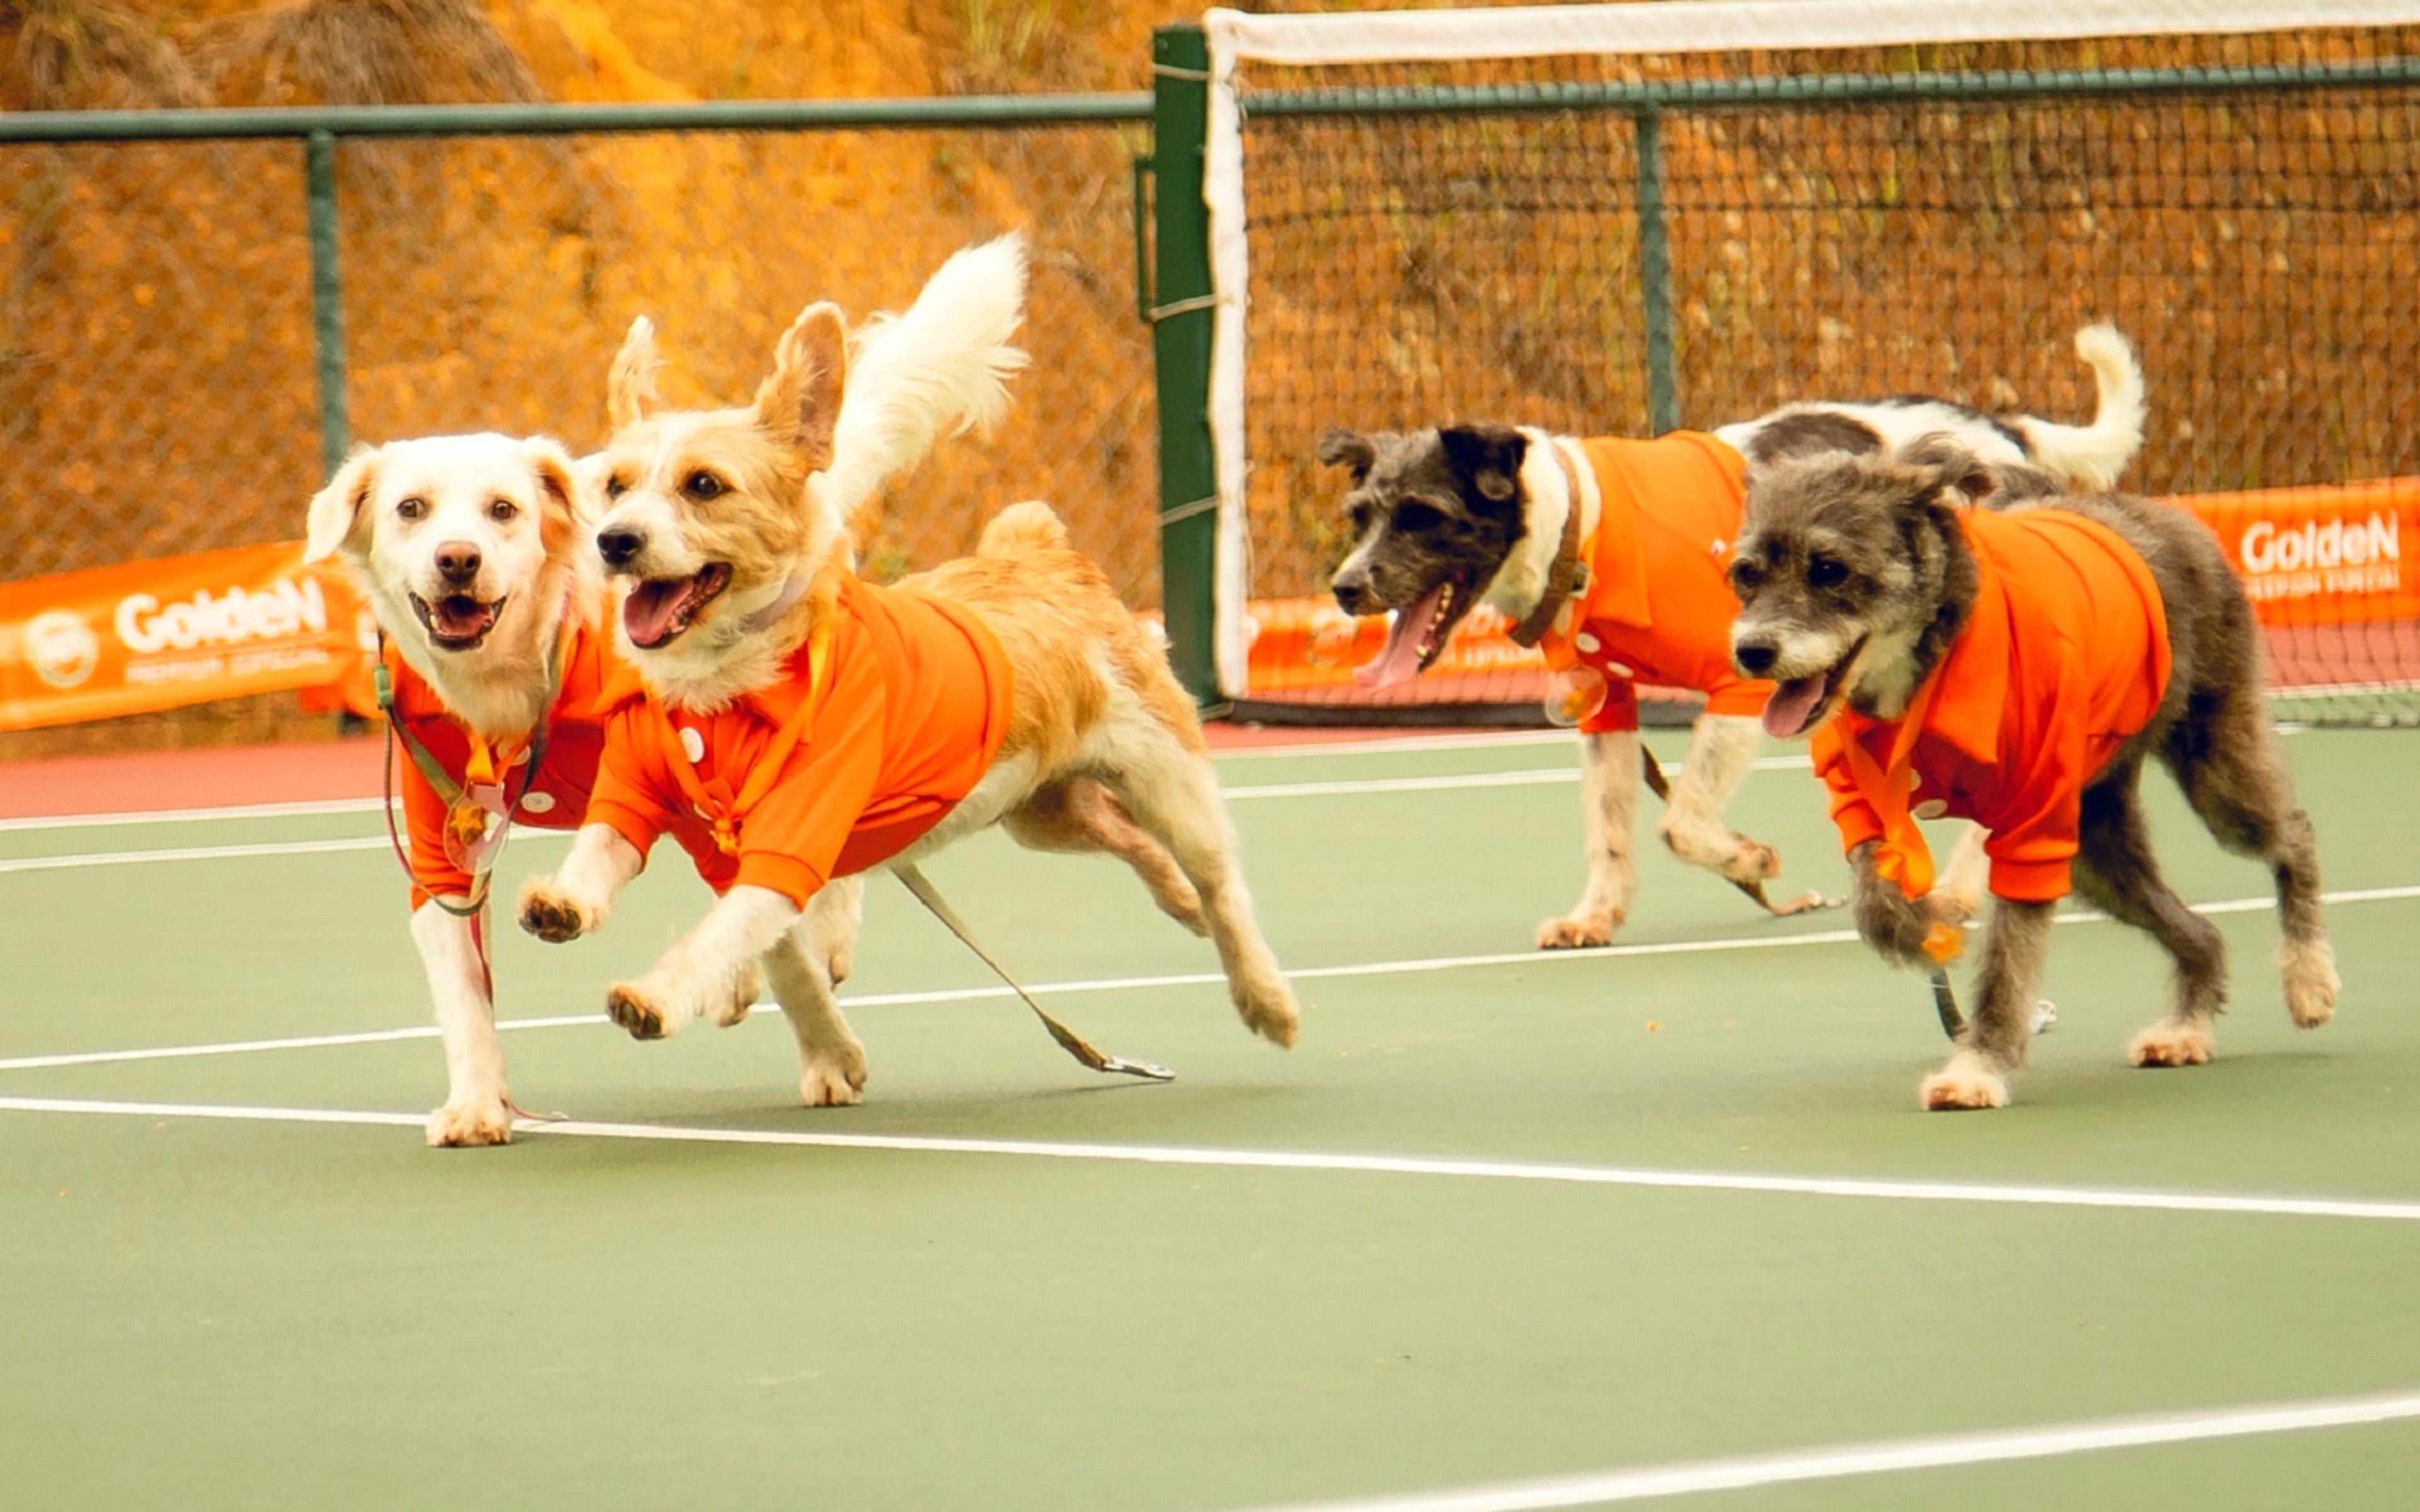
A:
[(336, 509), (800, 399), (560, 508), (1348, 449), (630, 383), (1488, 457), (1953, 466)]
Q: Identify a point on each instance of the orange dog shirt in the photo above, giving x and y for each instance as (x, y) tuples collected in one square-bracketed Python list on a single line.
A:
[(887, 718), (557, 798), (1658, 608), (2065, 659)]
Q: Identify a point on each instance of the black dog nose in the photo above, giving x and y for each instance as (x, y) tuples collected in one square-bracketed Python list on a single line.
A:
[(618, 547), (1352, 590), (1754, 658), (457, 562)]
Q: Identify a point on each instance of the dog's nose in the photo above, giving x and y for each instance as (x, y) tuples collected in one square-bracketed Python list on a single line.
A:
[(1352, 590), (620, 546), (457, 562), (1754, 658)]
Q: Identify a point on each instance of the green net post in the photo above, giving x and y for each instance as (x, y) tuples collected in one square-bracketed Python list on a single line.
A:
[(327, 297), (1179, 305), (1656, 278)]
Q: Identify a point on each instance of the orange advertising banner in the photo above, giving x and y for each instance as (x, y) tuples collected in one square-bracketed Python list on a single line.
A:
[(2320, 555), (157, 635)]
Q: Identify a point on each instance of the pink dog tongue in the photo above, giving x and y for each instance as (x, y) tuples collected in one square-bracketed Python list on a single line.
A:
[(1792, 704), (651, 607), (1398, 660), (460, 616)]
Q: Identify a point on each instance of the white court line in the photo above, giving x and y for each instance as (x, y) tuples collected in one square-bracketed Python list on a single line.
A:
[(1186, 979), (1605, 1488), (1287, 1160), (187, 816), (222, 852)]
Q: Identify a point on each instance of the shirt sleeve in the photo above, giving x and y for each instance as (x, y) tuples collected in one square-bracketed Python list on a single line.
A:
[(1850, 813), (1620, 710), (794, 837), (628, 781), (2033, 839), (432, 875)]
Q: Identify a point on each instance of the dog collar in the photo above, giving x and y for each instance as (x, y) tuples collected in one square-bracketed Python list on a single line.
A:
[(791, 591), (1569, 575)]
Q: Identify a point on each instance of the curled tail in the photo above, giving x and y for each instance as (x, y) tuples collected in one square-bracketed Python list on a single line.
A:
[(942, 367), (1024, 527), (2093, 456)]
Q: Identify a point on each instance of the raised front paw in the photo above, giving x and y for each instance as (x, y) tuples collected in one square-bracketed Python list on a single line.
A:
[(638, 1009), (551, 914), (1577, 932), (465, 1125), (1752, 862)]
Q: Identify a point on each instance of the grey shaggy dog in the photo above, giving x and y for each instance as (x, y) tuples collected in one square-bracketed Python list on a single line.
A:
[(1855, 580)]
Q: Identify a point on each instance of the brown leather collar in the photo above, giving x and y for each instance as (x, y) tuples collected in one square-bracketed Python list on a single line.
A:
[(1569, 575)]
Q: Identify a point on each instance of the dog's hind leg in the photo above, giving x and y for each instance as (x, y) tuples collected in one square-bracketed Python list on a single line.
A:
[(832, 1059), (1172, 794), (1079, 815), (1721, 750), (2116, 871), (1609, 775), (1994, 1043), (2226, 757), (477, 1110)]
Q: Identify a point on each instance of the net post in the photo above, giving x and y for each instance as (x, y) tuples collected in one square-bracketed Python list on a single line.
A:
[(1656, 276), (1183, 317), (327, 297)]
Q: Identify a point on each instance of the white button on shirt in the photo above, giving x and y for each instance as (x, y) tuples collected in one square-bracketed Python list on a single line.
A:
[(692, 746), (538, 802)]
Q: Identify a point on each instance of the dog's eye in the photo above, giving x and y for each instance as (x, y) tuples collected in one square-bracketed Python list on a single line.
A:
[(1412, 514), (701, 485), (1363, 515), (1746, 577), (1824, 572), (412, 508), (501, 510), (615, 487)]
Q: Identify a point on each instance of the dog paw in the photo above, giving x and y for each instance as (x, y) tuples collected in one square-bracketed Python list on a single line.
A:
[(742, 1001), (1269, 1011), (1577, 932), (1965, 1083), (465, 1125), (2170, 1043), (834, 1077), (552, 915), (2311, 983), (1752, 862), (637, 1009)]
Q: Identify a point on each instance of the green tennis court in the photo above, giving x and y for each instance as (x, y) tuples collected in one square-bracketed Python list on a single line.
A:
[(1663, 1218)]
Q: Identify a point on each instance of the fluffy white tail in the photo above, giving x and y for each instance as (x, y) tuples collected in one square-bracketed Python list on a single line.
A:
[(2093, 456), (942, 367)]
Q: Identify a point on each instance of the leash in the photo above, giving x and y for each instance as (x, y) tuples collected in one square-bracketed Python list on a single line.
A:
[(1812, 903), (1075, 1044)]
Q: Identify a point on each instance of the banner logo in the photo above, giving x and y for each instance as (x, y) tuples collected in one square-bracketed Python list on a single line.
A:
[(62, 648)]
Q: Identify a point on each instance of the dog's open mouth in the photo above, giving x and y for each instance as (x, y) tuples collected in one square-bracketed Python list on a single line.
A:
[(1799, 705), (457, 622), (660, 608), (1418, 636)]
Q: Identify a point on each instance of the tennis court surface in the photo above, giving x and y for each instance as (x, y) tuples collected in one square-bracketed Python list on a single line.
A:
[(1506, 1230)]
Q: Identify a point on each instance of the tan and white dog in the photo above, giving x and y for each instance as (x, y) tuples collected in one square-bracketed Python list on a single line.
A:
[(728, 526), (476, 555)]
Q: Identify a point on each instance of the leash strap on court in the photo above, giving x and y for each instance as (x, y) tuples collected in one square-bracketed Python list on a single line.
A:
[(1663, 791), (1945, 1002), (1075, 1044)]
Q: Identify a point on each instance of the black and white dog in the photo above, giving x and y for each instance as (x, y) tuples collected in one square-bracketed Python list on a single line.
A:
[(1611, 554)]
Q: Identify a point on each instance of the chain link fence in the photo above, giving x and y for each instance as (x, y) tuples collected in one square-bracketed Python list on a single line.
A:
[(158, 362)]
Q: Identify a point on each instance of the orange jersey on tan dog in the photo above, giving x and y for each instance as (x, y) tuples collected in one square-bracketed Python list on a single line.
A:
[(887, 718), (557, 796), (2064, 661), (1658, 608)]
